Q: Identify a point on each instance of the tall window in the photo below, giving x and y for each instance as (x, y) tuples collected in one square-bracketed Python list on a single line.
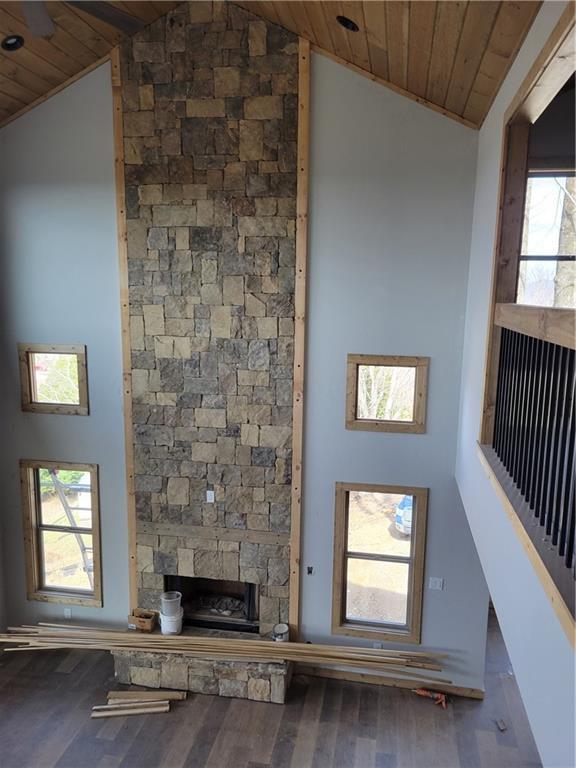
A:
[(62, 532), (379, 544), (53, 378), (547, 269)]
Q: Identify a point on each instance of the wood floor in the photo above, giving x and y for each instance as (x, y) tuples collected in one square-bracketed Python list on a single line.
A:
[(45, 700)]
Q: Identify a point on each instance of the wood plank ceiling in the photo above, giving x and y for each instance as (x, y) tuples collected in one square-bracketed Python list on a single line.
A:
[(79, 41), (451, 55)]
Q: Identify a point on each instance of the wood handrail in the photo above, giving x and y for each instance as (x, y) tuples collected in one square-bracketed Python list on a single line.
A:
[(558, 326)]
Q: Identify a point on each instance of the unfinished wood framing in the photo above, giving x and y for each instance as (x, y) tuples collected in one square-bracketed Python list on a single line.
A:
[(379, 630), (125, 321), (31, 519), (548, 74), (28, 385), (299, 331), (417, 425)]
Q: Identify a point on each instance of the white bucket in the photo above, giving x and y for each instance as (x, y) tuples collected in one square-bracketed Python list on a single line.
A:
[(170, 603), (281, 633), (171, 625)]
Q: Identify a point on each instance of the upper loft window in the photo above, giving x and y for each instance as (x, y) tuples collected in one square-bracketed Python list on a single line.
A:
[(386, 393), (53, 378), (547, 269)]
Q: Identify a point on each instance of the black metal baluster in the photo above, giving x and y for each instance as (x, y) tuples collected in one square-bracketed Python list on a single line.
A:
[(496, 438), (542, 428), (550, 420), (559, 407), (538, 396), (522, 410), (566, 449), (529, 433), (511, 411)]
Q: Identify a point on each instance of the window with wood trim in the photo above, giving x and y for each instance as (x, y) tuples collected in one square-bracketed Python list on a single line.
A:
[(53, 378), (379, 545), (386, 393), (61, 532)]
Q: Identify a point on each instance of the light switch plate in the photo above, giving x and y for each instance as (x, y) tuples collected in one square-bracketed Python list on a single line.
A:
[(210, 497), (434, 582)]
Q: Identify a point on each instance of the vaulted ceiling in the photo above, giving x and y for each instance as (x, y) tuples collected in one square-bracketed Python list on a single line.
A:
[(450, 55), (453, 55)]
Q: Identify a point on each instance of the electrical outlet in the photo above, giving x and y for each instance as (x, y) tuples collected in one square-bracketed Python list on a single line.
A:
[(378, 646), (210, 497), (67, 613), (434, 582), (310, 570)]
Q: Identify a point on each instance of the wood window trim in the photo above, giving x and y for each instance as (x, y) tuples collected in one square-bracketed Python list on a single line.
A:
[(416, 579), (26, 385), (418, 423), (34, 587)]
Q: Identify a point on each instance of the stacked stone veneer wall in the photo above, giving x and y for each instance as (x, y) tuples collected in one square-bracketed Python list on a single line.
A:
[(210, 126)]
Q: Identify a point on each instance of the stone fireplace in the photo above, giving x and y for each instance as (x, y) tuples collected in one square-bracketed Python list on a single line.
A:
[(217, 603), (209, 97)]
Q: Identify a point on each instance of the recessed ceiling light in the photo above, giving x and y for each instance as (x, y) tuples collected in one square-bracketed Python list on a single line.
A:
[(12, 42), (347, 23)]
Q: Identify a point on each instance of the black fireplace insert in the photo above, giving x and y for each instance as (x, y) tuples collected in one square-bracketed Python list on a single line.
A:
[(217, 603)]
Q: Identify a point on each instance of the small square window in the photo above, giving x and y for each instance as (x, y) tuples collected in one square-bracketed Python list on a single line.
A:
[(386, 393), (53, 378), (61, 532)]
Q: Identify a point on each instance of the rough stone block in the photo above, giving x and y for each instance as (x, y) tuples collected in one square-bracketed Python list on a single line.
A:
[(153, 319), (210, 417), (145, 676), (174, 676), (205, 108), (178, 490), (233, 688), (258, 690), (263, 108)]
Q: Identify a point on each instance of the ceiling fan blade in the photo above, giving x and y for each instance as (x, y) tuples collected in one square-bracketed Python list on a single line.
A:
[(37, 18), (110, 14)]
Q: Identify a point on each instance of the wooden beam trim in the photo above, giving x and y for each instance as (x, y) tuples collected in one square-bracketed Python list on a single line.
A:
[(124, 321), (396, 88), (550, 324), (299, 331)]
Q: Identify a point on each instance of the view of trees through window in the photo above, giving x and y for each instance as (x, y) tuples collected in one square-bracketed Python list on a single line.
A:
[(386, 392), (55, 378), (549, 232)]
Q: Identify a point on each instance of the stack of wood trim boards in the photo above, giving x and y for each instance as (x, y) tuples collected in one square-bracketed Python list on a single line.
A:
[(125, 703), (407, 663)]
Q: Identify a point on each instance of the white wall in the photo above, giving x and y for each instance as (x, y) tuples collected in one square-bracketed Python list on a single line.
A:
[(540, 652), (390, 218), (59, 284)]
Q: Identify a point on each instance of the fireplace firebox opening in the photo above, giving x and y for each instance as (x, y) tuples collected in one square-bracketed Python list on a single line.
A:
[(217, 603)]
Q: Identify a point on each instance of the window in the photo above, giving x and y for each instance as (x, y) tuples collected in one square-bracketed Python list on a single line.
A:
[(386, 393), (547, 270), (61, 530), (53, 378), (379, 542)]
